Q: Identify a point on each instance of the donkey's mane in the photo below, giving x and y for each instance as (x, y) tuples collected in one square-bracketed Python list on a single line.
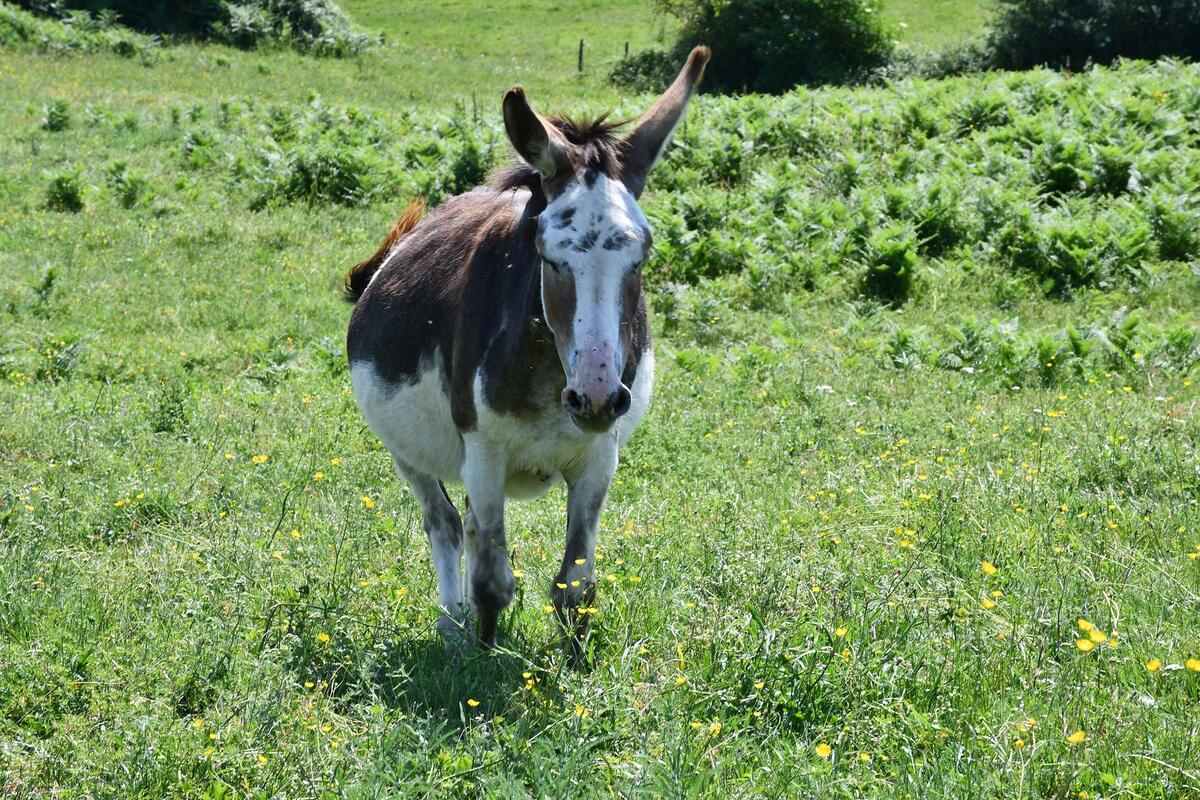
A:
[(596, 143)]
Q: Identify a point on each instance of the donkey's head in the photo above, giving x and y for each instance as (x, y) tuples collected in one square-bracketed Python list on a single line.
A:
[(592, 236)]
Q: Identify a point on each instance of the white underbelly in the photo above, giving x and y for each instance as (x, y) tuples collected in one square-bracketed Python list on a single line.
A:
[(415, 424), (412, 420)]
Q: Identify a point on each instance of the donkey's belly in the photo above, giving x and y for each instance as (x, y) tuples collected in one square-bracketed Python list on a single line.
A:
[(412, 420)]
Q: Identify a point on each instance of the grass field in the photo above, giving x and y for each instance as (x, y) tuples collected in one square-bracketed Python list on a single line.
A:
[(936, 23), (914, 512)]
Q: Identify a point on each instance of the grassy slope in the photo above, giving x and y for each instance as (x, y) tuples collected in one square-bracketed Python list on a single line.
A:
[(935, 23), (792, 553)]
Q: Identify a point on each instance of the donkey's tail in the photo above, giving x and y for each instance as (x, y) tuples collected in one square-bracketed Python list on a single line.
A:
[(361, 273)]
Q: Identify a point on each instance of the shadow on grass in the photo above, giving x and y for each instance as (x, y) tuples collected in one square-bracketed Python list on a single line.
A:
[(415, 672)]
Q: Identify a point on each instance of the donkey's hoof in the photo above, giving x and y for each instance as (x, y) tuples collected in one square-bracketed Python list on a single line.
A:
[(456, 639), (489, 619)]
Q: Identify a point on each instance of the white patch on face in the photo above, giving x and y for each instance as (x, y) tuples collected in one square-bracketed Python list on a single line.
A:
[(598, 235)]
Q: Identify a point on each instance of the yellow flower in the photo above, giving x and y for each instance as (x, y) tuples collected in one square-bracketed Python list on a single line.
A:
[(1077, 737), (840, 632), (323, 638), (714, 728), (1019, 744), (1084, 625), (472, 702), (259, 459), (988, 568), (759, 685), (368, 502), (989, 604), (824, 750), (1097, 635), (864, 757), (1154, 664), (1193, 664), (1085, 645), (680, 680), (582, 712)]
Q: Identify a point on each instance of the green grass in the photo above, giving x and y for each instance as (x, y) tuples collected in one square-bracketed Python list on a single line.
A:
[(937, 23), (197, 598)]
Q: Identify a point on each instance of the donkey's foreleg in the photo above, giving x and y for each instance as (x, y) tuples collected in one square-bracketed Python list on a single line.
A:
[(443, 526), (574, 588), (489, 575)]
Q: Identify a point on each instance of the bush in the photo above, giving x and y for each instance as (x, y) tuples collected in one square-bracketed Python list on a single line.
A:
[(768, 45), (57, 116), (315, 26), (889, 260), (76, 32), (65, 192), (1070, 33)]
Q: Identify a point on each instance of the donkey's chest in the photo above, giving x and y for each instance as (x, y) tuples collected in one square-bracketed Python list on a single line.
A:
[(538, 446)]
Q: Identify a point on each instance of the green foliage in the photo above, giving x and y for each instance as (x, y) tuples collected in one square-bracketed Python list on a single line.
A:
[(129, 187), (889, 261), (57, 116), (77, 32), (768, 45), (1072, 33), (645, 71), (64, 192), (319, 27), (791, 551)]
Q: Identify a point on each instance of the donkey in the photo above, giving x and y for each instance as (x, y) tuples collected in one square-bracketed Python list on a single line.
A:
[(502, 341)]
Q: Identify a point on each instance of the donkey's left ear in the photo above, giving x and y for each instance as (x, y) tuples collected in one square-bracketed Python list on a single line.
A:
[(645, 144)]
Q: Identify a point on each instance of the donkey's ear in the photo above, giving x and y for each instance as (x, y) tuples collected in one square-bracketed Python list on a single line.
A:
[(645, 144), (534, 139)]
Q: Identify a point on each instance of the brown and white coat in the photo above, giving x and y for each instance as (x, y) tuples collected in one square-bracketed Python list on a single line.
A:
[(502, 342)]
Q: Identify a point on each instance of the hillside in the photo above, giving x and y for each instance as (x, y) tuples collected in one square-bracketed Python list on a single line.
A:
[(914, 510)]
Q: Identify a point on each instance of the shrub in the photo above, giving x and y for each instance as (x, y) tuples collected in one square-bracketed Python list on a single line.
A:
[(1070, 33), (65, 192), (889, 260), (769, 45), (320, 173), (57, 116), (1175, 225), (647, 71), (128, 187), (315, 26)]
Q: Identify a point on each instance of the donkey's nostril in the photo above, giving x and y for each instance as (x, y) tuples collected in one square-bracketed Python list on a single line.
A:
[(622, 401), (572, 400)]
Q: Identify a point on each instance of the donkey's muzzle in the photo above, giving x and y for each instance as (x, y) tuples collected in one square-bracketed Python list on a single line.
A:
[(596, 417)]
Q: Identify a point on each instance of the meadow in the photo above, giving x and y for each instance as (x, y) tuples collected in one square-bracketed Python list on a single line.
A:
[(914, 512)]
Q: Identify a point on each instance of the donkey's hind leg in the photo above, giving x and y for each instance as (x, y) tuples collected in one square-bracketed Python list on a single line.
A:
[(443, 526)]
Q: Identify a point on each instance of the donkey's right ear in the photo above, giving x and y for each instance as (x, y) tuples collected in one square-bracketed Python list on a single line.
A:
[(535, 140)]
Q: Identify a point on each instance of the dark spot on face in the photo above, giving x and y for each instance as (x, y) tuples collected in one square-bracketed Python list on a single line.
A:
[(589, 177), (588, 241), (563, 218)]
